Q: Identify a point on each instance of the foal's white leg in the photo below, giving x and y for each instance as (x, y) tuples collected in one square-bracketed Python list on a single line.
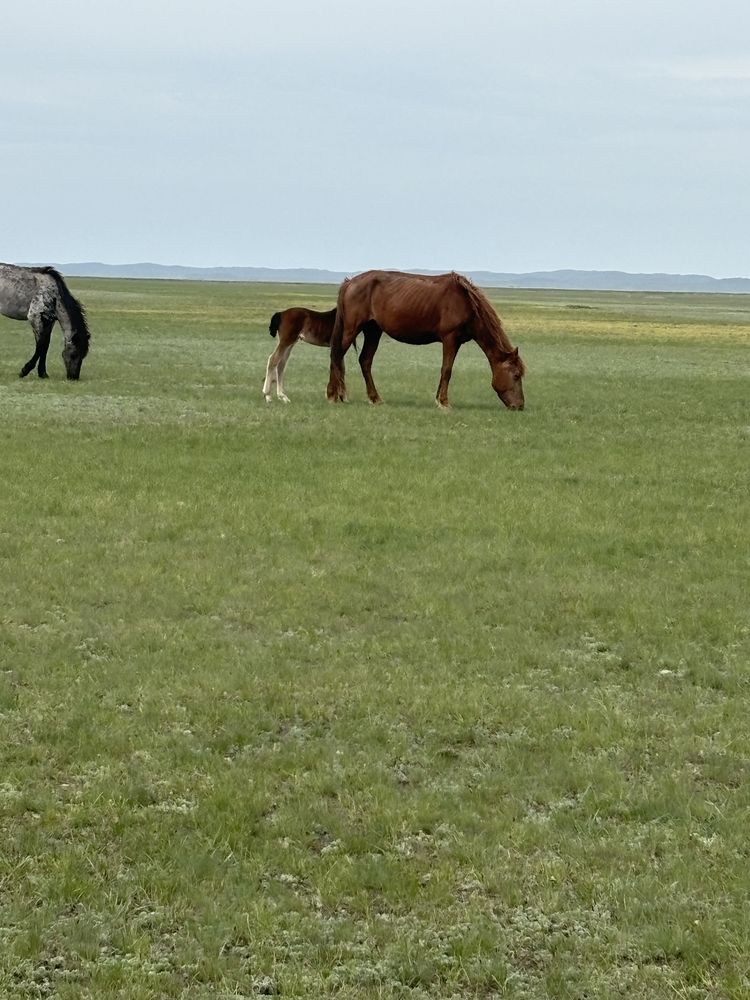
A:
[(280, 374), (271, 377)]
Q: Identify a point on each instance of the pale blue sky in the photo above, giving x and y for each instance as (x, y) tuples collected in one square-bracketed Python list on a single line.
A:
[(483, 134)]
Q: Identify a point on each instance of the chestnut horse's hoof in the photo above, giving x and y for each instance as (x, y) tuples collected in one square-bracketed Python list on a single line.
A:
[(336, 396)]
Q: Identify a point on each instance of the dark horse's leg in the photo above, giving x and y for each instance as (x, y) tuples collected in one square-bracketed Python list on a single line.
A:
[(30, 364), (42, 327), (43, 347), (451, 344), (372, 334)]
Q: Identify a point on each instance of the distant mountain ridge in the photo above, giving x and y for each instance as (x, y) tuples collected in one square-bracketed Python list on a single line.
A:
[(615, 281)]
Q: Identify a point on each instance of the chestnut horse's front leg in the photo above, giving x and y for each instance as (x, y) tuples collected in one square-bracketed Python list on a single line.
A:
[(451, 344)]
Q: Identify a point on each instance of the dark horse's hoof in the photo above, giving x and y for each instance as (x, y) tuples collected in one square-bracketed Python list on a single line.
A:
[(42, 374)]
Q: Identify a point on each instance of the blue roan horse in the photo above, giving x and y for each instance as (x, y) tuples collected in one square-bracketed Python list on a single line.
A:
[(40, 295)]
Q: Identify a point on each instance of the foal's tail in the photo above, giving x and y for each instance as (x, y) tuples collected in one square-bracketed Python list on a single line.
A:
[(274, 325), (70, 309)]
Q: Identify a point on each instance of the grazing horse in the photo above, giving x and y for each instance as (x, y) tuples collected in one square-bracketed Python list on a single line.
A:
[(421, 309), (40, 295), (292, 325)]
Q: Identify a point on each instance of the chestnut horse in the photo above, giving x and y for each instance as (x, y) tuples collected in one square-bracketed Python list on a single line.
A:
[(421, 309), (292, 325)]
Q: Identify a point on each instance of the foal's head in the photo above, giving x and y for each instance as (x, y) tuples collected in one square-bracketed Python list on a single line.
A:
[(507, 380)]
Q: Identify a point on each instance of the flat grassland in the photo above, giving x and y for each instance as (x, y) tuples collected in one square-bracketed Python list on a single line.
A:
[(376, 701)]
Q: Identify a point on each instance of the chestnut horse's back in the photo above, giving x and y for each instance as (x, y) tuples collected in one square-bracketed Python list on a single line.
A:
[(415, 307)]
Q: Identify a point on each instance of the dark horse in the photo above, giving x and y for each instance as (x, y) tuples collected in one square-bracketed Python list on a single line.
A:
[(292, 325), (421, 309), (40, 295)]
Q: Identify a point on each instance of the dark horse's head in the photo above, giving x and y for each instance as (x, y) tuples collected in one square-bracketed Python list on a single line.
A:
[(77, 346), (73, 355), (507, 379), (72, 317)]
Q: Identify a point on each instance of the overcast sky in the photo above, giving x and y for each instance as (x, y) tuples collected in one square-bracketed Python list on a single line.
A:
[(346, 134)]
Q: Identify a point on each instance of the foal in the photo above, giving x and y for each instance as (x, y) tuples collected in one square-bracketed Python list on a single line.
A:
[(292, 325)]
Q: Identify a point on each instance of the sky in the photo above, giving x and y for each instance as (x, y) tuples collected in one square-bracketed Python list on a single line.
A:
[(346, 134)]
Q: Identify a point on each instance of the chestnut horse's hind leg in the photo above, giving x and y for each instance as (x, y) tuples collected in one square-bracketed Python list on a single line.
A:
[(336, 391), (451, 344), (372, 339)]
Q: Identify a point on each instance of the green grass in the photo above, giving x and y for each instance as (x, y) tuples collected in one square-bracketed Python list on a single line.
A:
[(376, 702)]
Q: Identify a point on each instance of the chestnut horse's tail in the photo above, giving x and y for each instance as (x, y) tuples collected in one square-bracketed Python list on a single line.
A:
[(337, 334), (274, 325)]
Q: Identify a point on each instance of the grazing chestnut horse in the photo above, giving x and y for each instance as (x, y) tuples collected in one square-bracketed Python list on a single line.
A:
[(292, 325), (421, 309)]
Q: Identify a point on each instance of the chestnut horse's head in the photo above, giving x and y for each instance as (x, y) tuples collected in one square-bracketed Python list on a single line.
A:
[(507, 379)]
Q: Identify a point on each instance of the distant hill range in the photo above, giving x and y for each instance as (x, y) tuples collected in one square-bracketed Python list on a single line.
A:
[(616, 281)]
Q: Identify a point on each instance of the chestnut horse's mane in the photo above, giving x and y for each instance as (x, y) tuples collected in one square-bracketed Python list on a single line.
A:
[(484, 312)]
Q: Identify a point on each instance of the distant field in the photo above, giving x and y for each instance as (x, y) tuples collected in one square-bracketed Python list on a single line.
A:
[(376, 702)]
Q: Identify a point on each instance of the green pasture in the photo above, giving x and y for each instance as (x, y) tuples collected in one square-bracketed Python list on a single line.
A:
[(376, 702)]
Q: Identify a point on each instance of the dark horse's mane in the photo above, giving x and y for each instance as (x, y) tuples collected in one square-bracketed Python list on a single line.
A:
[(485, 313), (74, 309)]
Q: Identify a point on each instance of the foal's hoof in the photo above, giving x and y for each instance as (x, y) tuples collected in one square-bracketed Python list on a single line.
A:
[(442, 406)]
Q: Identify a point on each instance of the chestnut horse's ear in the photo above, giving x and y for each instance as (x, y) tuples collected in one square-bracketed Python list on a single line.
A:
[(515, 355)]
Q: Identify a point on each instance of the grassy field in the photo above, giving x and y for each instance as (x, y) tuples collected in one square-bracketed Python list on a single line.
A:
[(376, 702)]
